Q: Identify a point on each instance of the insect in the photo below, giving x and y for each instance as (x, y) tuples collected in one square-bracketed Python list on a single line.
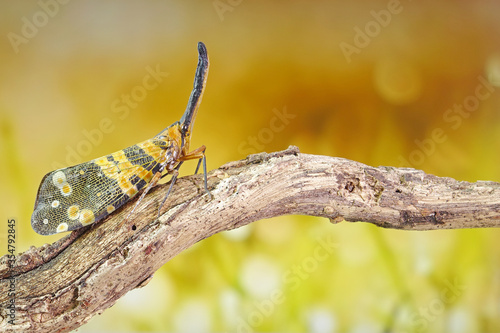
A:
[(76, 196)]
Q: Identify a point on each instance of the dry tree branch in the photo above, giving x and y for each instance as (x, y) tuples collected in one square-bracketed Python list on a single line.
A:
[(61, 286)]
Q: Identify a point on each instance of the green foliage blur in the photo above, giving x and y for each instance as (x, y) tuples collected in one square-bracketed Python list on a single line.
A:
[(397, 83)]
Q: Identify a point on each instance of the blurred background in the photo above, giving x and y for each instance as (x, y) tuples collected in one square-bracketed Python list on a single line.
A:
[(396, 83)]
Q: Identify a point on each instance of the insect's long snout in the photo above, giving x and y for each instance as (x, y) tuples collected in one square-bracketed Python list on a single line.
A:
[(200, 79)]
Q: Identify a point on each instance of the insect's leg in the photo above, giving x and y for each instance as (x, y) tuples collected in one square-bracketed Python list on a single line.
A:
[(200, 154), (198, 166), (192, 155), (153, 183), (204, 159), (175, 173)]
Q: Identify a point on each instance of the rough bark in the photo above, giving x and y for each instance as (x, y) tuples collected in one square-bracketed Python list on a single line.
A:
[(61, 286)]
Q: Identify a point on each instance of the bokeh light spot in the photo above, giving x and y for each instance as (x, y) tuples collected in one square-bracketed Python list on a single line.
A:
[(320, 320), (193, 316), (259, 276), (397, 82), (493, 69)]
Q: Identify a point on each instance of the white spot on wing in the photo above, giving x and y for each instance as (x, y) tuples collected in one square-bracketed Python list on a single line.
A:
[(73, 212), (66, 189), (59, 178), (62, 227)]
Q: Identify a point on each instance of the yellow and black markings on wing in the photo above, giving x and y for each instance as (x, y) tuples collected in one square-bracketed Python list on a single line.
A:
[(76, 196)]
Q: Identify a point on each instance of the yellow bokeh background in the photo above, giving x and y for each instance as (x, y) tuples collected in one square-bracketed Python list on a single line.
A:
[(397, 83)]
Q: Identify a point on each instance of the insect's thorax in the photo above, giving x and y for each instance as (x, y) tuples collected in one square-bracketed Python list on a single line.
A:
[(178, 145)]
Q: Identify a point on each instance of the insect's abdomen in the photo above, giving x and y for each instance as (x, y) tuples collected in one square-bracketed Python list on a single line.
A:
[(76, 196)]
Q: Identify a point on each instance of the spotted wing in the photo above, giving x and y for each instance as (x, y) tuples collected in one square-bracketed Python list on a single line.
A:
[(79, 195)]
